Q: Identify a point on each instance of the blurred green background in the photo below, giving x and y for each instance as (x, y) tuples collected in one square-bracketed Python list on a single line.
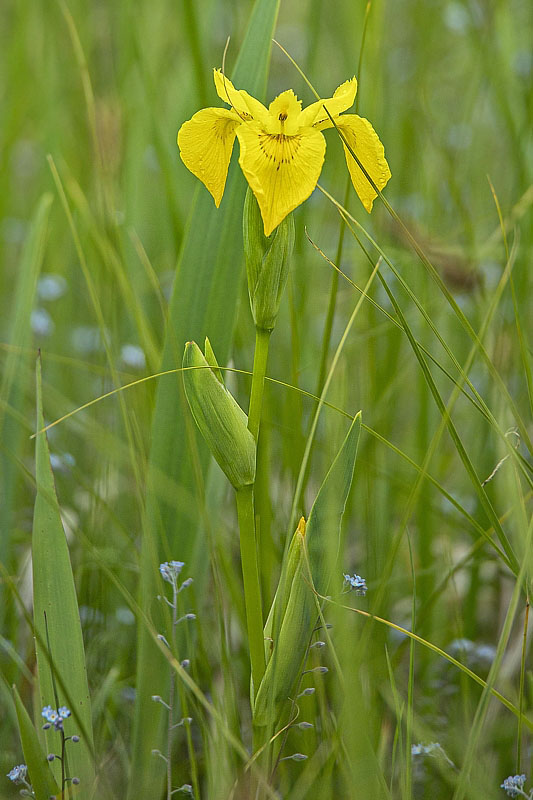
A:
[(91, 97)]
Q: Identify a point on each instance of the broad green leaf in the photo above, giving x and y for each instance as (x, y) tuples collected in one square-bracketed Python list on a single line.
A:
[(203, 303), (16, 374), (54, 594), (39, 771)]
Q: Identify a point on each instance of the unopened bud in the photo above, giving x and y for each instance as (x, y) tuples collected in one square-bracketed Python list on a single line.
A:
[(220, 419), (293, 607), (267, 262)]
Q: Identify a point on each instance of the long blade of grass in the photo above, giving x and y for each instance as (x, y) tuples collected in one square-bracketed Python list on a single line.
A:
[(14, 382), (446, 411), (323, 526), (39, 772), (443, 654), (54, 594), (476, 729)]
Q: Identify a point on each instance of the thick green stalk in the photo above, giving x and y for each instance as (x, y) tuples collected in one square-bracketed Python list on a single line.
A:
[(262, 339), (252, 588)]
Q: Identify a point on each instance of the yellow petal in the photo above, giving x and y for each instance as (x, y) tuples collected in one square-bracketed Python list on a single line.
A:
[(366, 145), (246, 106), (282, 170), (205, 144), (343, 98), (284, 114)]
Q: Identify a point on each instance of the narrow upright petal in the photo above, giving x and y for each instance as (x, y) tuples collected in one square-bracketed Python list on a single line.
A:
[(366, 145), (282, 170), (246, 106), (343, 99), (205, 143), (284, 114)]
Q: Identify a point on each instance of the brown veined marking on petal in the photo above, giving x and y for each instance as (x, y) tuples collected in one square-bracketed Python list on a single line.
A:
[(220, 130), (221, 127), (281, 150), (282, 142)]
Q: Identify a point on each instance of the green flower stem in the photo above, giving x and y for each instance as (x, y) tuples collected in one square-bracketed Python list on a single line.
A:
[(262, 339), (252, 587)]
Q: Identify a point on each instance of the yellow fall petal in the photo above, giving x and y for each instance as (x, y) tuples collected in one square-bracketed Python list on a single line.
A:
[(365, 143), (246, 106), (343, 99), (282, 170), (205, 143)]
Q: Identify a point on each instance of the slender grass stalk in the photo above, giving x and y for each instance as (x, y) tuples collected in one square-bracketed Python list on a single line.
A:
[(444, 289), (338, 351), (245, 509), (521, 689), (332, 302), (252, 587), (171, 692), (335, 277), (409, 715), (446, 411)]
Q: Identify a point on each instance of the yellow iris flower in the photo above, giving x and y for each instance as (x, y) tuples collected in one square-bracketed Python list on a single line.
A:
[(281, 147)]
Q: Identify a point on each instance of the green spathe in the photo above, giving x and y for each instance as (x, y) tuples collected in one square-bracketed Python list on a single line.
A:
[(220, 419), (267, 262), (297, 610), (306, 574)]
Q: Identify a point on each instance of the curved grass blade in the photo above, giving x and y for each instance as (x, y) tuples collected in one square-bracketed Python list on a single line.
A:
[(324, 524), (54, 593), (39, 772), (15, 377)]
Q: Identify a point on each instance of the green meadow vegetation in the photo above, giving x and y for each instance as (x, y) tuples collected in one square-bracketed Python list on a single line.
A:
[(265, 501)]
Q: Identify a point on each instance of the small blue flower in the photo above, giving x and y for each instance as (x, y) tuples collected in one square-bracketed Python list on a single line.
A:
[(50, 715), (357, 583), (295, 757), (433, 749), (514, 785), (170, 570), (18, 774), (54, 717)]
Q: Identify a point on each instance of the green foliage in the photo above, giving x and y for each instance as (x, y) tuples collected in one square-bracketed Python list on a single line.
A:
[(112, 257), (307, 569), (58, 637), (42, 780)]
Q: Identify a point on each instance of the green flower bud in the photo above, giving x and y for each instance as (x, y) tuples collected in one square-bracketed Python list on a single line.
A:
[(294, 604), (267, 262), (220, 419), (211, 360)]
